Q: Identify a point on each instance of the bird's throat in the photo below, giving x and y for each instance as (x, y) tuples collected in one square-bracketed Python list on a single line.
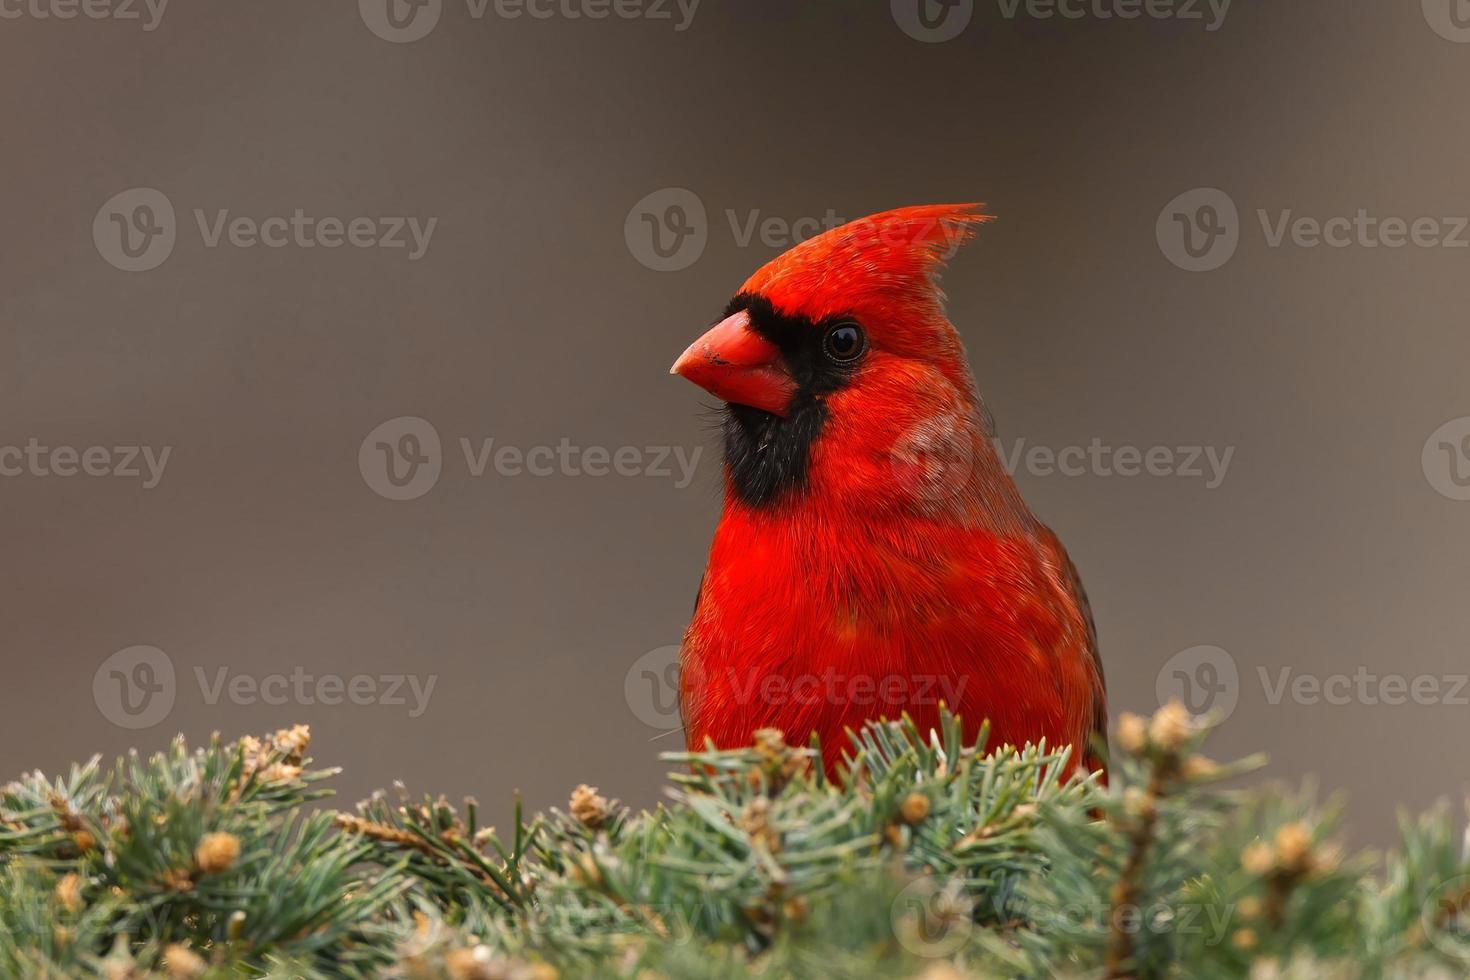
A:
[(768, 458)]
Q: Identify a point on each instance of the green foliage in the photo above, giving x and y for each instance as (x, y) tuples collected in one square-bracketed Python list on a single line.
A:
[(922, 858)]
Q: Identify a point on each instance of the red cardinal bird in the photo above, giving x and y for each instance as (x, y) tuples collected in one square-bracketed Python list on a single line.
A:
[(874, 556)]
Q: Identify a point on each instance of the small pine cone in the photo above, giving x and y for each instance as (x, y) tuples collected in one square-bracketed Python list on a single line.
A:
[(293, 742), (1198, 767), (756, 821), (941, 971), (279, 772), (217, 853), (182, 963), (1266, 968), (1294, 848), (1133, 733), (120, 966), (795, 910), (1139, 803), (770, 743), (1327, 859), (69, 819), (795, 765), (914, 808), (478, 963), (250, 745), (588, 808), (177, 880), (1258, 859), (69, 892), (1171, 727), (119, 829)]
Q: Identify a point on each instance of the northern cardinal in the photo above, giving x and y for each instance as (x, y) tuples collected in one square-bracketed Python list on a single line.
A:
[(873, 555)]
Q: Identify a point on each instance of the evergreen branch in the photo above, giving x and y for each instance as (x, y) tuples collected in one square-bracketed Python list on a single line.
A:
[(925, 856)]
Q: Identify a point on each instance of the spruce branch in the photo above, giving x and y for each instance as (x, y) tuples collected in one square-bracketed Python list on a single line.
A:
[(924, 857)]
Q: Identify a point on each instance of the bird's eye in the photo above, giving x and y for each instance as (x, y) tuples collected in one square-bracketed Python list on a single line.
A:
[(845, 342)]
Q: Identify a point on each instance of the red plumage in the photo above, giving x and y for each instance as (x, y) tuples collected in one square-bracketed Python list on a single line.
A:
[(873, 556)]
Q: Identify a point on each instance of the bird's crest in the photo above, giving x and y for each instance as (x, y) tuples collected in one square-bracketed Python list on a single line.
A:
[(892, 256)]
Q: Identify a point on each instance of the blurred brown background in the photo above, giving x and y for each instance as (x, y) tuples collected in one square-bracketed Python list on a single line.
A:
[(1337, 543)]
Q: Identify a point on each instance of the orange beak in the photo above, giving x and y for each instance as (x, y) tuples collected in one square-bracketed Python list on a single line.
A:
[(738, 365)]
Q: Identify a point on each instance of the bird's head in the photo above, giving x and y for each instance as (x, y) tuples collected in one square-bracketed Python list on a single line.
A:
[(838, 364)]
